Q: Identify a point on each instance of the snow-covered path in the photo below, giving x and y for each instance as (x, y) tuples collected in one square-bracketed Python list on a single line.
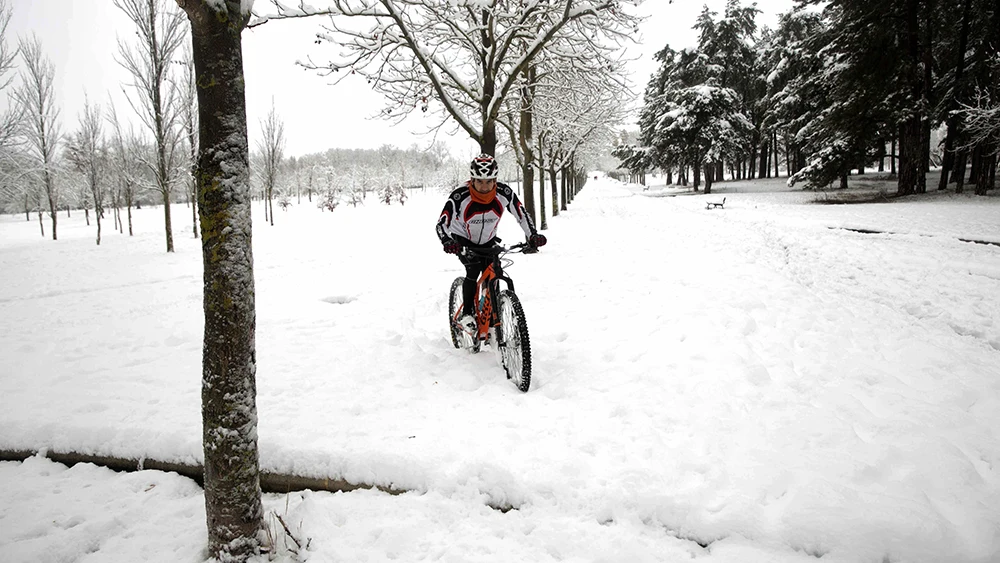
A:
[(743, 384)]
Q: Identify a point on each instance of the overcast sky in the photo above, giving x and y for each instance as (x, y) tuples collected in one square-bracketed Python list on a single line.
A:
[(80, 38)]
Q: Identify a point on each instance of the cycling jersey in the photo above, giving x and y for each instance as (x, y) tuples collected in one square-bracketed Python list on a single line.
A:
[(475, 223)]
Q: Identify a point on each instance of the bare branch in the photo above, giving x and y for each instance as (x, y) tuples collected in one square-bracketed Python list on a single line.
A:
[(160, 31), (40, 126), (468, 56)]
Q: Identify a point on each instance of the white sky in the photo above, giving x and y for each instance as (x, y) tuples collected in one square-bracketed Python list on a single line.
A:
[(80, 37), (756, 377)]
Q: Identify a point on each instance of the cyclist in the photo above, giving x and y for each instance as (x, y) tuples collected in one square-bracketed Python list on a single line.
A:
[(470, 218)]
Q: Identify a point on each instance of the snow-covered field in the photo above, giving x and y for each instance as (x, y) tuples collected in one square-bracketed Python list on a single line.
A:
[(753, 383)]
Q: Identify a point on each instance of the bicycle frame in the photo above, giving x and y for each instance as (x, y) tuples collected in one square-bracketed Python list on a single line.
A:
[(499, 316), (487, 289)]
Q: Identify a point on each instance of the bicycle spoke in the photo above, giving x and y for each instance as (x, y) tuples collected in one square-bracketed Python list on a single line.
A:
[(516, 350)]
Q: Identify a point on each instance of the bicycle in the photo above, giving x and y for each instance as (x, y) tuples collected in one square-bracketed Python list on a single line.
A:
[(503, 327)]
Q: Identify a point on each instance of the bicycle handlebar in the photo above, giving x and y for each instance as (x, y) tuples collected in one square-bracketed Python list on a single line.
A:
[(493, 251)]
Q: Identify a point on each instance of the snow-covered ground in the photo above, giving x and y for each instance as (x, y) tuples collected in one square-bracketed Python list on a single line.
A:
[(753, 383)]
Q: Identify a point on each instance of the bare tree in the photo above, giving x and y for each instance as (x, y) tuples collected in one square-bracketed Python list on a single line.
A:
[(469, 56), (18, 183), (124, 150), (80, 193), (272, 148), (87, 151), (575, 84), (524, 146), (982, 130), (10, 117), (40, 126), (229, 389), (160, 32), (189, 122), (572, 107)]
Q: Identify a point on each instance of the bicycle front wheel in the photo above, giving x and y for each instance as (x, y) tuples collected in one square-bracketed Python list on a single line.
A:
[(513, 341)]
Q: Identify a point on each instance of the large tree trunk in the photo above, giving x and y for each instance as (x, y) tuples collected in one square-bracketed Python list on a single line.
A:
[(270, 203), (229, 390), (911, 174), (927, 60), (958, 175), (993, 173), (166, 220), (777, 157), (912, 178), (564, 186), (986, 172), (958, 170), (527, 145), (488, 143), (765, 151), (543, 223), (954, 124), (555, 190)]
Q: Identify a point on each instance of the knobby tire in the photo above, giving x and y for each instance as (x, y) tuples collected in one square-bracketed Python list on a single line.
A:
[(516, 348)]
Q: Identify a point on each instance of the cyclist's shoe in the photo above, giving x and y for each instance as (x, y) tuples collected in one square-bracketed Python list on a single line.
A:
[(468, 323)]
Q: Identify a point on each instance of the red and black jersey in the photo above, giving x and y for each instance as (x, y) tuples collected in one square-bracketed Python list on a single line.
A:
[(475, 222)]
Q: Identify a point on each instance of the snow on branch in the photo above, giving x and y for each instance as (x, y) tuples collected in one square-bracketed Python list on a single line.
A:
[(459, 58)]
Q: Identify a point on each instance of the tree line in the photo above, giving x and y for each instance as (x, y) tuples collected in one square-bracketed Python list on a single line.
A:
[(106, 165), (837, 87), (348, 176), (102, 163), (541, 83)]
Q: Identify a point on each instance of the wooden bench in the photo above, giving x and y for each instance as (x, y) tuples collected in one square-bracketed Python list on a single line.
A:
[(714, 204)]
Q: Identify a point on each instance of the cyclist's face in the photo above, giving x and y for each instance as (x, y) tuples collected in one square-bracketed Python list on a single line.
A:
[(484, 186)]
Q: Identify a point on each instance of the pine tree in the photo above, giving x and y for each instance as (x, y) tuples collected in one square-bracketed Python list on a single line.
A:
[(795, 94)]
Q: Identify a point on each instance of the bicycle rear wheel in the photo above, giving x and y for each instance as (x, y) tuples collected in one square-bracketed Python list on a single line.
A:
[(513, 341), (459, 338)]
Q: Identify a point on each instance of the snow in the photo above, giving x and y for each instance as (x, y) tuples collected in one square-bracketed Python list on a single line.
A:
[(246, 6), (754, 383)]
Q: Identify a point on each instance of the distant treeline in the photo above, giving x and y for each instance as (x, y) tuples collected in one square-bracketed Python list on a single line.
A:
[(837, 87)]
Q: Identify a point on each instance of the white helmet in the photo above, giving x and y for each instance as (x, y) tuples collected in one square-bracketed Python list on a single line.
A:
[(484, 167)]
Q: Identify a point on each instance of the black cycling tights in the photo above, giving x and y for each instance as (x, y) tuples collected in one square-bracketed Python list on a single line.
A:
[(473, 268)]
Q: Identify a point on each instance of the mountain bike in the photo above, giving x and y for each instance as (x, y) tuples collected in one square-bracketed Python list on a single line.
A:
[(499, 316)]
